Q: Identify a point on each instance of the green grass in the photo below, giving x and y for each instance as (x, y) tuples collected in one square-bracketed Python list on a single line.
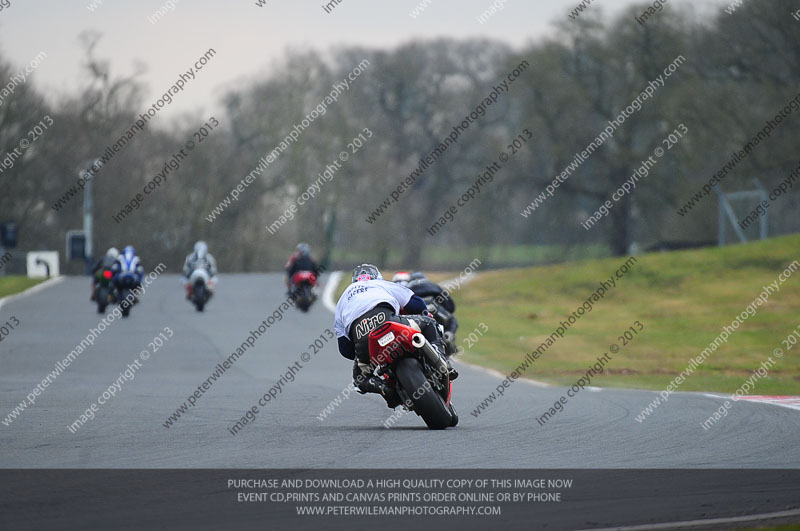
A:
[(682, 298), (9, 285)]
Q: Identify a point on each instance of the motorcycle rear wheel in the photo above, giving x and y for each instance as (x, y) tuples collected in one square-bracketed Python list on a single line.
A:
[(124, 303), (428, 404), (304, 299), (101, 296)]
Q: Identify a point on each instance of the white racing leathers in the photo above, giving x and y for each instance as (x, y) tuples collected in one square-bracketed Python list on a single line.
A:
[(361, 297), (204, 268)]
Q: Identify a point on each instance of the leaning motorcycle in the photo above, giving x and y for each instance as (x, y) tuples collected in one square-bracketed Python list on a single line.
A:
[(202, 286), (303, 283), (406, 361)]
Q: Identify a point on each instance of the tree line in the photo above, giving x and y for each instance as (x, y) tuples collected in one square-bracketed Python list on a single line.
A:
[(715, 80)]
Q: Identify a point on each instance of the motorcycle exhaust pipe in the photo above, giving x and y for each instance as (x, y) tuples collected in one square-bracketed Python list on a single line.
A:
[(419, 341)]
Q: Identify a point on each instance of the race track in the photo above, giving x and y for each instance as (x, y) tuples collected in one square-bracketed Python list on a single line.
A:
[(596, 430), (291, 438)]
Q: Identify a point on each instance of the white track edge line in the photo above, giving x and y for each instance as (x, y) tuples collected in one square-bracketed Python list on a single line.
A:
[(330, 287)]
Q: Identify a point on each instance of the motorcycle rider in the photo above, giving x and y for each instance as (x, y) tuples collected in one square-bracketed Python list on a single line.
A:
[(402, 278), (439, 301), (106, 262), (128, 271), (299, 261), (200, 258), (368, 296)]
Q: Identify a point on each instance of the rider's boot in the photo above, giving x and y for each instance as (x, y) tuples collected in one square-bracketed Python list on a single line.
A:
[(366, 382)]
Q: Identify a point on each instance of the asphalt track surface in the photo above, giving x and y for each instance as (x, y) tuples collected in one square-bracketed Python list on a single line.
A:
[(596, 430)]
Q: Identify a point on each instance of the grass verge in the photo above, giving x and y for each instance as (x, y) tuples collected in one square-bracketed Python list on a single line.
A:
[(12, 284), (682, 298)]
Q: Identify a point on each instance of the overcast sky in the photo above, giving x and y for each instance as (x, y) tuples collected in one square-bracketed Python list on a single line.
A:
[(247, 38)]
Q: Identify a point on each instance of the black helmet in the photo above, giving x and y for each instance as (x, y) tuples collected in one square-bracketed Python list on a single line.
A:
[(366, 272)]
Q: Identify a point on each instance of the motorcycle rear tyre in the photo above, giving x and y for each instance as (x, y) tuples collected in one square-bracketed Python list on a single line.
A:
[(428, 404)]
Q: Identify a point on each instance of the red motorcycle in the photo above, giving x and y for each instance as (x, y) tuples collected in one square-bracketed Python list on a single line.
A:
[(407, 362), (303, 283)]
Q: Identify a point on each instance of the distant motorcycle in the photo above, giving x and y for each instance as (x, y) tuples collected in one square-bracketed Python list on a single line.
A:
[(407, 362), (201, 288), (303, 283), (104, 289)]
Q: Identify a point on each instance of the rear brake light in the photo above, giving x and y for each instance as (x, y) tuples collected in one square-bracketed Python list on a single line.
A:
[(106, 274)]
